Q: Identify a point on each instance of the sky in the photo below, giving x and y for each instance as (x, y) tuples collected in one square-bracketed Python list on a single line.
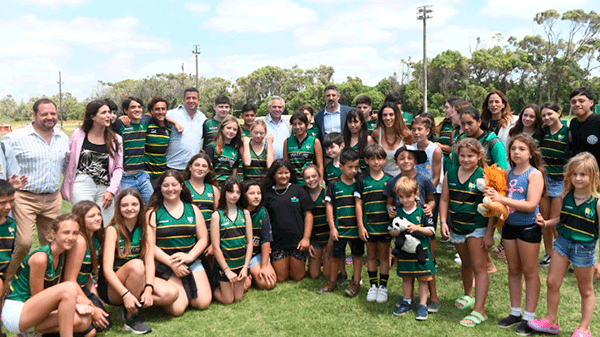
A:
[(90, 40)]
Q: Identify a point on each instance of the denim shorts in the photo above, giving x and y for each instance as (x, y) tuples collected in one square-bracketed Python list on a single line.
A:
[(554, 188), (318, 245), (196, 266), (460, 238), (256, 260), (580, 254)]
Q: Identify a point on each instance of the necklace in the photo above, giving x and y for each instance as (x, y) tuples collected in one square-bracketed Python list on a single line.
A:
[(387, 141), (282, 193), (586, 197)]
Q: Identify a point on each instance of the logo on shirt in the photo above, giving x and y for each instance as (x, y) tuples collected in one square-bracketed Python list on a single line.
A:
[(294, 199), (418, 219), (592, 139), (11, 230), (190, 219), (589, 213), (472, 186), (210, 195), (560, 137)]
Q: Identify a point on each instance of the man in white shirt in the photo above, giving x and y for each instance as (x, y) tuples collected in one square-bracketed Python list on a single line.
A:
[(183, 146), (276, 126)]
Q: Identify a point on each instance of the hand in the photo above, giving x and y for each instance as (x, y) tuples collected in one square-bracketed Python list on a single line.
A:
[(311, 251), (130, 303), (147, 297), (181, 270), (492, 194), (539, 220), (267, 274), (246, 140), (393, 232), (334, 235), (392, 212), (597, 271), (270, 139), (243, 274), (99, 318), (303, 245), (411, 228), (363, 234), (209, 251), (374, 117), (84, 309), (107, 199), (18, 181), (125, 120), (428, 210), (180, 258), (178, 127), (445, 230), (231, 276), (488, 241)]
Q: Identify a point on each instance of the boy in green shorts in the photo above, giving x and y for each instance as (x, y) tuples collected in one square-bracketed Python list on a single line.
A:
[(7, 236), (340, 208), (333, 145)]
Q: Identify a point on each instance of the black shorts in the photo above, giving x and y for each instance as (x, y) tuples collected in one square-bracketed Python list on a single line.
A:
[(280, 254), (436, 211), (357, 247), (380, 238), (529, 233), (223, 277), (102, 287)]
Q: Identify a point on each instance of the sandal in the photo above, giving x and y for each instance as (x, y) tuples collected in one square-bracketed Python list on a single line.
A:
[(474, 318), (580, 333), (464, 302)]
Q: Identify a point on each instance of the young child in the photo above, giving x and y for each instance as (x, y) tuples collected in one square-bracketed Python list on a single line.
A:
[(200, 179), (529, 123), (577, 229), (224, 151), (468, 229), (356, 135), (555, 153), (8, 228), (308, 111), (520, 235), (211, 126), (421, 227), (445, 130), (261, 270), (365, 105), (340, 208), (249, 116), (320, 245), (257, 156), (231, 235), (371, 214), (333, 145), (302, 149)]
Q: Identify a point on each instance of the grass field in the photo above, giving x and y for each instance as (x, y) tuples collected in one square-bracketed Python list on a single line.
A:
[(295, 309)]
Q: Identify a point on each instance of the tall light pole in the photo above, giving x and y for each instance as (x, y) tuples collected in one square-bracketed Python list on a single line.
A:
[(424, 13), (196, 51), (62, 114)]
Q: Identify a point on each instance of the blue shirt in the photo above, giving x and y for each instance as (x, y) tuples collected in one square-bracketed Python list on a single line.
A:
[(183, 146), (518, 185), (28, 153), (332, 121), (280, 133)]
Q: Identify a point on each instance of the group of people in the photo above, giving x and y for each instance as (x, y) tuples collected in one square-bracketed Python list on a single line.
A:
[(176, 210)]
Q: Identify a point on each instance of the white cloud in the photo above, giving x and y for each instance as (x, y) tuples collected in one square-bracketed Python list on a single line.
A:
[(527, 9), (197, 7), (266, 17), (56, 3)]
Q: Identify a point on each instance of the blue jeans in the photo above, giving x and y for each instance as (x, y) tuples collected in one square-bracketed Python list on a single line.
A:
[(139, 181)]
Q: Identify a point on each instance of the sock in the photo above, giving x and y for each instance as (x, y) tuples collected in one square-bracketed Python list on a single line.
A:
[(515, 311), (408, 300), (372, 277), (383, 278), (529, 316)]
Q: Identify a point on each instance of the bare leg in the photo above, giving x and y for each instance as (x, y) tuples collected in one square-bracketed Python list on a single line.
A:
[(357, 262), (282, 269), (225, 293), (528, 253), (297, 269), (314, 264), (423, 292), (556, 273), (585, 283), (482, 281), (515, 272), (178, 307), (466, 268), (259, 282)]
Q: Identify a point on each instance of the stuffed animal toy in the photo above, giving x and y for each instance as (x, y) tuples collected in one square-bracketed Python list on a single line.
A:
[(495, 178), (407, 242)]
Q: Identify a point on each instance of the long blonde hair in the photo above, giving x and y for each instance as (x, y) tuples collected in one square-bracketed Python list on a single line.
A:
[(473, 145), (236, 142), (590, 167)]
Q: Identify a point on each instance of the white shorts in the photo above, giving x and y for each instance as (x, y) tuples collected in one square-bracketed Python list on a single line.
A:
[(11, 316)]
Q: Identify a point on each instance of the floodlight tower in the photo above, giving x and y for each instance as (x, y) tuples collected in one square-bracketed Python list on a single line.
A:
[(423, 13)]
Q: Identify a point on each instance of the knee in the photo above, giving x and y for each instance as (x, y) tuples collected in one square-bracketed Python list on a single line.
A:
[(178, 310), (266, 286), (552, 284), (586, 291), (82, 323), (68, 290), (314, 273), (515, 271), (136, 268), (297, 276), (202, 303), (171, 294)]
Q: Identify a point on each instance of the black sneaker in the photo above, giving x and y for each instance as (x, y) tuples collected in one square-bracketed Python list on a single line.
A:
[(509, 321), (137, 325), (524, 329), (545, 261), (341, 278)]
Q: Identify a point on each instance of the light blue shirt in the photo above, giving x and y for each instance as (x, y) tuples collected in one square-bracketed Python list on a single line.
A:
[(332, 121), (28, 153), (280, 133), (183, 146)]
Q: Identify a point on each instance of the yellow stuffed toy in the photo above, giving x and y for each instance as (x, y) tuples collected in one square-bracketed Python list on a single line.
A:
[(495, 178)]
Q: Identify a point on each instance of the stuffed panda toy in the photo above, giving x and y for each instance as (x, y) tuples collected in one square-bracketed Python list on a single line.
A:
[(410, 243)]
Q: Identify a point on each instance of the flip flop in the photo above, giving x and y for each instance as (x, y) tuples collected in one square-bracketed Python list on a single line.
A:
[(464, 302), (474, 317)]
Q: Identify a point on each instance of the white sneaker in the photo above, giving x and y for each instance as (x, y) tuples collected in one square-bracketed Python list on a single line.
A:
[(372, 293), (457, 259), (382, 295)]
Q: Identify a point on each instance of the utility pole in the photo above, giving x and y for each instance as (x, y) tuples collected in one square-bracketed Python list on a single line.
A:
[(196, 51), (62, 114), (182, 77), (423, 13)]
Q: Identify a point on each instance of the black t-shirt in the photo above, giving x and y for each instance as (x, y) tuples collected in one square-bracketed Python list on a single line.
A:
[(286, 212), (93, 161), (585, 135)]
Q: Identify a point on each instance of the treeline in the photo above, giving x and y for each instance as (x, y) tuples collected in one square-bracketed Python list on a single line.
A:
[(534, 69)]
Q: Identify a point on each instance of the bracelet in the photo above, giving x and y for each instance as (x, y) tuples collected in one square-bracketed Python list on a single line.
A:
[(125, 294), (390, 208), (148, 285), (443, 222)]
